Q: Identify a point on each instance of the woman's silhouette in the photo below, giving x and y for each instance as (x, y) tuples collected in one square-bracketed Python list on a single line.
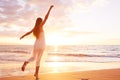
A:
[(39, 44)]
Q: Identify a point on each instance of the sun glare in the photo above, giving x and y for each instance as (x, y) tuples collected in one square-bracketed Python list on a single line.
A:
[(55, 39), (55, 58), (56, 66)]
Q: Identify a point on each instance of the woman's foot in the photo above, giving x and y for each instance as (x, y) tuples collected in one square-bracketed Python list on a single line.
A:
[(24, 65), (36, 77), (36, 72)]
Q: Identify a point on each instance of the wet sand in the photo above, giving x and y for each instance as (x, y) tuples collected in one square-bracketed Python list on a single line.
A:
[(106, 74)]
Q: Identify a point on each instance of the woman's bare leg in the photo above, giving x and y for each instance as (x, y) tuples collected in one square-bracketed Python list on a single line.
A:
[(29, 60), (38, 58), (24, 65)]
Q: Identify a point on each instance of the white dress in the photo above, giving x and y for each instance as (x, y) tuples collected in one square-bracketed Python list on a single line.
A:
[(40, 42), (39, 47)]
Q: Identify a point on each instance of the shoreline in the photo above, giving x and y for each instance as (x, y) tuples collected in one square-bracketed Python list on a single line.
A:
[(8, 70), (104, 74)]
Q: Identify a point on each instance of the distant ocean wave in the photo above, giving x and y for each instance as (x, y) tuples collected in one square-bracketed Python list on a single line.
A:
[(15, 48), (13, 51), (15, 57), (65, 54), (17, 53), (85, 55)]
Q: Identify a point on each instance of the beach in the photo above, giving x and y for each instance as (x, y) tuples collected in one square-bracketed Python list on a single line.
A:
[(106, 74)]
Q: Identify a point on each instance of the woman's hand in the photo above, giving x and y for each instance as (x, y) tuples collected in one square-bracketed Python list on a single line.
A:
[(51, 6), (21, 37)]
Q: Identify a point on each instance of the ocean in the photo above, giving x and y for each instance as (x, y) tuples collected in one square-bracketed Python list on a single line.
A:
[(60, 58)]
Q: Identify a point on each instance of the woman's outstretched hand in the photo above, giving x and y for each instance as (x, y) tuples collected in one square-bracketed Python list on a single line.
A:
[(51, 6), (21, 37)]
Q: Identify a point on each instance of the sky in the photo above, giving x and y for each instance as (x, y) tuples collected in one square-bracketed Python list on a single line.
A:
[(71, 22)]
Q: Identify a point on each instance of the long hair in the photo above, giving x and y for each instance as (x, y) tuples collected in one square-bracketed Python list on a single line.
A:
[(36, 29)]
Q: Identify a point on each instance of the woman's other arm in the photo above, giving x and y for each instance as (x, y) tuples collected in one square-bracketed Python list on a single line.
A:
[(26, 34)]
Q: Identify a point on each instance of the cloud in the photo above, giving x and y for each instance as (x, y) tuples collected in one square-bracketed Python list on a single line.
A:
[(23, 13), (100, 2), (89, 3), (9, 7), (8, 10), (79, 6)]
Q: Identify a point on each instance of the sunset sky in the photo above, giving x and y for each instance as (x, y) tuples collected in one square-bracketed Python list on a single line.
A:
[(71, 22)]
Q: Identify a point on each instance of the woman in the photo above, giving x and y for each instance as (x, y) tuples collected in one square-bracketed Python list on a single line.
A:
[(39, 44)]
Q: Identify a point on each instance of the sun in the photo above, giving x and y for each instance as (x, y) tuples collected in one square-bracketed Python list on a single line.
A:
[(55, 39)]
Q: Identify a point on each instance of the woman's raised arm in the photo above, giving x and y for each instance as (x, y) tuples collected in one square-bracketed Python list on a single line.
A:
[(46, 16)]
